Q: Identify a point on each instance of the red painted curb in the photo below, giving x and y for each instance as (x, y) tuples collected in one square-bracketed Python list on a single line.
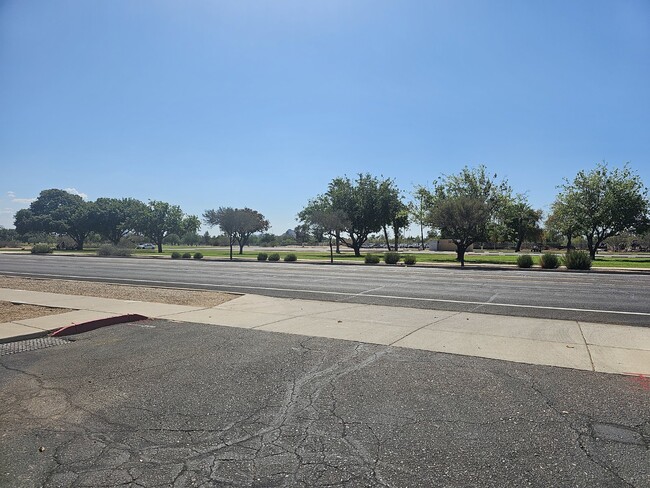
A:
[(96, 324)]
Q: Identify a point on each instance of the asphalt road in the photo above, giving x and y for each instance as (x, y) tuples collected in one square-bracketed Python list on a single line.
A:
[(620, 298), (155, 403)]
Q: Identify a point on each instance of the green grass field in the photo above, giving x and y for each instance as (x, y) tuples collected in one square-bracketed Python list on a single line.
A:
[(422, 257), (347, 255)]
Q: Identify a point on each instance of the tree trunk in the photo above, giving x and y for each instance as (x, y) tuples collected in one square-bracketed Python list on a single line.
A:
[(159, 243), (331, 250), (592, 247), (338, 242), (422, 236), (396, 234), (357, 248), (230, 240), (518, 246), (386, 237), (568, 242), (460, 254)]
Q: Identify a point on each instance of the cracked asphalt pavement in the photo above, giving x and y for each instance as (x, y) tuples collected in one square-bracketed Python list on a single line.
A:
[(156, 403)]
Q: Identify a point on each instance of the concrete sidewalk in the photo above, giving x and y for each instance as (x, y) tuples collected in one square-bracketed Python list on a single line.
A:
[(568, 344)]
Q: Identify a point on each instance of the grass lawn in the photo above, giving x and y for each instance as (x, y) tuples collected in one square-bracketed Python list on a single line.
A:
[(348, 256)]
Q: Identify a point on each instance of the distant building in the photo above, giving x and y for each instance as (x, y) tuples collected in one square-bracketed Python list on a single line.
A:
[(445, 245)]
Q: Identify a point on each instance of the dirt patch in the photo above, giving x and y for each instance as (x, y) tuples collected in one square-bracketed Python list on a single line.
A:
[(195, 298), (19, 311)]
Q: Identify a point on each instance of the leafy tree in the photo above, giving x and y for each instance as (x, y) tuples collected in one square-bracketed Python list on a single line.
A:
[(464, 206), (307, 215), (172, 239), (604, 203), (363, 202), (191, 239), (333, 221), (520, 221), (191, 224), (237, 223), (419, 207), (302, 233), (116, 217), (563, 220), (159, 219), (60, 212), (393, 212)]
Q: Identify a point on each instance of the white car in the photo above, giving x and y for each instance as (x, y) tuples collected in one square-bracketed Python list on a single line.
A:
[(146, 245)]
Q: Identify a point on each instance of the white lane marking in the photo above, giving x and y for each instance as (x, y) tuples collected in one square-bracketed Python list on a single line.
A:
[(340, 293)]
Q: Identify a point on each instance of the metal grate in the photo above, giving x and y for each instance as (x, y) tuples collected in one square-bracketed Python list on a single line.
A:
[(30, 345)]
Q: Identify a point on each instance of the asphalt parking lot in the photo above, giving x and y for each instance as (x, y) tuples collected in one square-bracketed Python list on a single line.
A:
[(158, 403)]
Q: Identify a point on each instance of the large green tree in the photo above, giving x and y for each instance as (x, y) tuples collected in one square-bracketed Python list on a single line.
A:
[(465, 205), (159, 219), (602, 203), (58, 212), (237, 223), (116, 217), (520, 221), (364, 202)]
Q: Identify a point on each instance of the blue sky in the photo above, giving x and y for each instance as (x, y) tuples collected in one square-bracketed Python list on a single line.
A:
[(239, 103)]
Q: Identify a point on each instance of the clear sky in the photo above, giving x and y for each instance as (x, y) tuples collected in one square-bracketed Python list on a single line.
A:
[(240, 103)]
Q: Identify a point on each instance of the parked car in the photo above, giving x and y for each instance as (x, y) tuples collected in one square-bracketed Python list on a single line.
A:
[(146, 245)]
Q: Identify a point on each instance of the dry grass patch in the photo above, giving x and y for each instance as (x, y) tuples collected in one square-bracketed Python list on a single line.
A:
[(197, 298), (10, 312)]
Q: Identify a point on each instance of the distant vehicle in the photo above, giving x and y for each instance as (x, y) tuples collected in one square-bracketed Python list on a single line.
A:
[(146, 245), (536, 248)]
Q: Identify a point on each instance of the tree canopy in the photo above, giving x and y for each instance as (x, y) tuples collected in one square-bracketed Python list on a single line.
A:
[(237, 223), (602, 203), (57, 211)]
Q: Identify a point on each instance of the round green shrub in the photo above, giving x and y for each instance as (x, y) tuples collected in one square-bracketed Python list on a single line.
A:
[(262, 256), (548, 260), (274, 257), (577, 260), (290, 258), (525, 261), (409, 260), (391, 257), (110, 250), (198, 255), (187, 255), (176, 255), (371, 259), (41, 249)]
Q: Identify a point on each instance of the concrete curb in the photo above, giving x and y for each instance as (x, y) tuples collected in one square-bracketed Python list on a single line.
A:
[(96, 324)]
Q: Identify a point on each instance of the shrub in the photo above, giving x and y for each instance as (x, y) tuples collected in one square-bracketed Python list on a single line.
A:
[(274, 257), (110, 250), (198, 255), (409, 260), (577, 260), (291, 257), (548, 260), (371, 259), (262, 256), (176, 255), (41, 249), (187, 255), (391, 257), (525, 261)]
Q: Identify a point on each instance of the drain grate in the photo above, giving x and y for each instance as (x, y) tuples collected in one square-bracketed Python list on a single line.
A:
[(30, 345)]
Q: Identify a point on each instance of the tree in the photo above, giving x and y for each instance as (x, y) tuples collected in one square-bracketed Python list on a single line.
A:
[(237, 223), (307, 215), (603, 203), (393, 212), (464, 206), (333, 221), (60, 212), (159, 219), (520, 221), (418, 208), (364, 203), (116, 217)]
